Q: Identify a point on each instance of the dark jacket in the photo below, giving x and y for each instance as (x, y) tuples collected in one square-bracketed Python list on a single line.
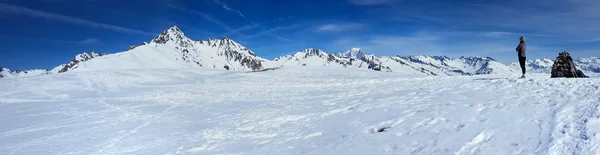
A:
[(522, 49)]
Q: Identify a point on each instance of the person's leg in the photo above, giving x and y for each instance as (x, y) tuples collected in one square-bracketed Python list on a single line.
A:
[(522, 63)]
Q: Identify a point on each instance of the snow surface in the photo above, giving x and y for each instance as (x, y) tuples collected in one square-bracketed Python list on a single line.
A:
[(296, 110)]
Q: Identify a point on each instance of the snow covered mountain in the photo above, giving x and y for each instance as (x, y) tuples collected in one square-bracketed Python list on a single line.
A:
[(73, 64), (354, 53), (8, 73), (172, 49), (591, 64), (429, 65), (443, 65), (312, 57), (586, 64)]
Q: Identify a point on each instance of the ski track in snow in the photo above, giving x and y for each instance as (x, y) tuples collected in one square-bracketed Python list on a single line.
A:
[(296, 111)]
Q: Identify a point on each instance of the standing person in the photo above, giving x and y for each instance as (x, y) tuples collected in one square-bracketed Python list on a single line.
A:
[(521, 50)]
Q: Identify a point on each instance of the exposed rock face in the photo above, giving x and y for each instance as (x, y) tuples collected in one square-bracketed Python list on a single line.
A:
[(78, 59), (134, 46), (564, 67), (230, 52), (173, 34)]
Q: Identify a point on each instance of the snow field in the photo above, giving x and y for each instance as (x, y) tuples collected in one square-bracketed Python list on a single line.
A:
[(296, 110)]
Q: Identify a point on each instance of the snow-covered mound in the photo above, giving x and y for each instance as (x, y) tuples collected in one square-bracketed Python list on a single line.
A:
[(299, 110), (7, 73), (172, 49)]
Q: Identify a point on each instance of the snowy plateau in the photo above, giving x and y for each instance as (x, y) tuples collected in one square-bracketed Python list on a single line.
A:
[(174, 95)]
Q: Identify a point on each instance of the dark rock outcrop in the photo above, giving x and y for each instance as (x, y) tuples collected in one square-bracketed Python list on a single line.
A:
[(564, 67), (79, 58)]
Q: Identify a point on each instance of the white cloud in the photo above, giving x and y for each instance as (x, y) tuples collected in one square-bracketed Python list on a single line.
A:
[(12, 9), (369, 2), (90, 41), (240, 13), (340, 27)]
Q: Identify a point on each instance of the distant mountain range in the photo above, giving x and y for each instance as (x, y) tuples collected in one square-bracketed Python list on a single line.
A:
[(586, 64), (172, 49)]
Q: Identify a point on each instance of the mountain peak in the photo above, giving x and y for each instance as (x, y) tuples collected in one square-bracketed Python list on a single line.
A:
[(355, 49), (354, 53), (312, 51), (173, 34), (174, 28)]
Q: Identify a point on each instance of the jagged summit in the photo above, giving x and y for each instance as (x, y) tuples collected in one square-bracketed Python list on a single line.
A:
[(74, 63), (175, 35), (224, 38), (313, 52)]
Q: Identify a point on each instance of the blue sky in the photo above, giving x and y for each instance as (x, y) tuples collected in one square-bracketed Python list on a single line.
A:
[(46, 33)]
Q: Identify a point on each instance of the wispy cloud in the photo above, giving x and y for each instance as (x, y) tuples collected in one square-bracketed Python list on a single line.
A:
[(230, 9), (370, 2), (213, 20), (90, 41), (498, 34), (340, 27), (578, 19), (18, 10), (201, 14), (272, 31), (243, 28)]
